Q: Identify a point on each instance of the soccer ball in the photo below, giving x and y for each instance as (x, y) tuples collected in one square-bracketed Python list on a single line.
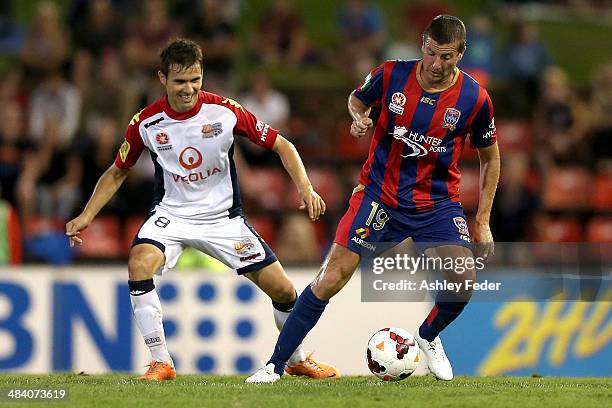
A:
[(392, 354)]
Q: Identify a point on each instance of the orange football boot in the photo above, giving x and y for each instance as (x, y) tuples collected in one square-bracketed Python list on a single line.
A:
[(313, 369), (159, 371)]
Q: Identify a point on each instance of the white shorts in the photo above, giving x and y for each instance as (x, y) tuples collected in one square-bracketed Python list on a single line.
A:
[(230, 240)]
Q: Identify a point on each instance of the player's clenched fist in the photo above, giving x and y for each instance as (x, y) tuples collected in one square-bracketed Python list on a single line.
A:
[(312, 202), (361, 126), (74, 228)]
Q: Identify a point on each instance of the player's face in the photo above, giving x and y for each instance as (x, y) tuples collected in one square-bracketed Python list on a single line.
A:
[(439, 62), (182, 86)]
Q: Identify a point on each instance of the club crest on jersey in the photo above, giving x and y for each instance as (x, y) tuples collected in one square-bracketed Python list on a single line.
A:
[(398, 100), (212, 129), (461, 225), (451, 118)]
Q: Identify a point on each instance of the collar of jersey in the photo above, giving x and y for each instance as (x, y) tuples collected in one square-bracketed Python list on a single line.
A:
[(183, 115), (432, 90)]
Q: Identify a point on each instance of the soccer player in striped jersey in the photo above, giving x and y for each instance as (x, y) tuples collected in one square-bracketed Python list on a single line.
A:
[(409, 185)]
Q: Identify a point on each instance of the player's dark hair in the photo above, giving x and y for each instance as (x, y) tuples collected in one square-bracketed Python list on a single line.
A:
[(182, 52), (445, 29)]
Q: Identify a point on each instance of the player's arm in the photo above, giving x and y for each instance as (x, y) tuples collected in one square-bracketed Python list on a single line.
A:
[(489, 176), (294, 166), (360, 113), (105, 189)]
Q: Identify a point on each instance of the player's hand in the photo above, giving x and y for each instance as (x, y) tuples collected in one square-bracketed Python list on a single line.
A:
[(74, 228), (483, 239), (313, 203), (360, 127)]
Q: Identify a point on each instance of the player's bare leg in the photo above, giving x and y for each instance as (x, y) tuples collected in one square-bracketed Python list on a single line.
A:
[(447, 308), (273, 280), (144, 261), (335, 272)]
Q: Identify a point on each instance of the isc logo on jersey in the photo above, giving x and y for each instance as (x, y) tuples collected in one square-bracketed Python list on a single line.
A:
[(190, 159)]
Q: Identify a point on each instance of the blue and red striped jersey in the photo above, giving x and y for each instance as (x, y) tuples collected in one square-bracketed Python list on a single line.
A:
[(419, 136)]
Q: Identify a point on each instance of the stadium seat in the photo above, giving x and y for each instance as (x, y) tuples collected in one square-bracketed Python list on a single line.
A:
[(602, 192), (101, 240), (264, 227), (567, 188), (558, 230), (514, 136), (325, 182), (269, 185), (469, 189), (130, 228), (599, 229)]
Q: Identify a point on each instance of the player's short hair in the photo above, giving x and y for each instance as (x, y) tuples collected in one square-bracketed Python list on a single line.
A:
[(445, 29), (181, 52)]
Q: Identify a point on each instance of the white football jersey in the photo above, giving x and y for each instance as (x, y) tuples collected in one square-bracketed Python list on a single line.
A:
[(195, 174)]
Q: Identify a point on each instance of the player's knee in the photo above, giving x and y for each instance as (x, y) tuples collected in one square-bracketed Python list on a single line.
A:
[(140, 268), (283, 294)]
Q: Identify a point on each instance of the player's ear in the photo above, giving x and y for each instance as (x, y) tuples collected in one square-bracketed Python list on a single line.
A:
[(162, 78)]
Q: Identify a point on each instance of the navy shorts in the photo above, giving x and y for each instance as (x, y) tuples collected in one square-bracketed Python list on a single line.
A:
[(369, 227)]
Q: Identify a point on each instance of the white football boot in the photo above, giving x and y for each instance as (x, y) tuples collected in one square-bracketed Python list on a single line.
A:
[(436, 357), (264, 375)]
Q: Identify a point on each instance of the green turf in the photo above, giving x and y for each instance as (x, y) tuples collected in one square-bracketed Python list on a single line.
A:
[(118, 390)]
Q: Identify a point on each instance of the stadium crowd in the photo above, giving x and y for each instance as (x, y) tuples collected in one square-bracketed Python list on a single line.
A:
[(73, 77)]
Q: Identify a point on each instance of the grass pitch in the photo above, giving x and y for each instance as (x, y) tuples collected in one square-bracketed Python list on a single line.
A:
[(123, 390)]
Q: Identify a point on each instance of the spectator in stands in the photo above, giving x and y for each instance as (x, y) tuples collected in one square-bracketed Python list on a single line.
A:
[(46, 44), (297, 241), (362, 34), (270, 106), (281, 38), (560, 121), (50, 186), (213, 26), (55, 100), (102, 28), (600, 107), (525, 58), (16, 150), (151, 29), (478, 59), (515, 201)]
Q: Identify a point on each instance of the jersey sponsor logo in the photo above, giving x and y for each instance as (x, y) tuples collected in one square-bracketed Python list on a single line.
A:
[(197, 176), (364, 244), (398, 100), (244, 246), (492, 131), (153, 123), (212, 129), (162, 138), (262, 128), (190, 158), (418, 142), (451, 118), (124, 150), (249, 257), (363, 232), (233, 103), (136, 117)]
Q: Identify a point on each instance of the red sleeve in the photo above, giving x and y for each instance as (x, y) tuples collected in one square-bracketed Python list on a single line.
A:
[(132, 146), (247, 125)]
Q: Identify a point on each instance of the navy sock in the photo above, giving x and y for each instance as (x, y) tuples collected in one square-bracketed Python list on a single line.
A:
[(306, 313), (447, 308)]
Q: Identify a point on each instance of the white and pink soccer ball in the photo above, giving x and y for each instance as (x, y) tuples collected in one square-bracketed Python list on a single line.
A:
[(392, 354)]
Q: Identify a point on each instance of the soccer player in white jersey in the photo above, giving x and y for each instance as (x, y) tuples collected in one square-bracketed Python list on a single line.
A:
[(190, 136)]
